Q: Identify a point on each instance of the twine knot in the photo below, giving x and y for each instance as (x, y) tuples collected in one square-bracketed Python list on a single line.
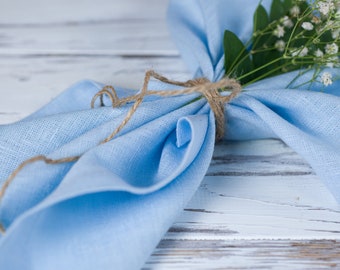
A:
[(211, 91), (195, 82)]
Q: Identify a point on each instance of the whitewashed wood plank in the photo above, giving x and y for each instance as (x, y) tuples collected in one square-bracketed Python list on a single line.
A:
[(95, 27), (106, 38), (18, 12), (27, 83), (241, 254)]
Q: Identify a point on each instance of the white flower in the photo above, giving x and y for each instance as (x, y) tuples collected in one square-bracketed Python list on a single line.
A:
[(280, 45), (325, 7), (336, 33), (288, 23), (279, 31), (307, 26), (295, 11), (331, 49), (326, 78), (303, 52), (300, 52), (318, 53), (332, 61)]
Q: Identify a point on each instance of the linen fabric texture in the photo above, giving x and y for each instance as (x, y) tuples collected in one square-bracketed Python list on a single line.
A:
[(109, 209)]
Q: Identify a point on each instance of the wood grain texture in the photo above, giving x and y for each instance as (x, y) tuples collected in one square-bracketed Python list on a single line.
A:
[(39, 12), (29, 82), (243, 254), (135, 37), (260, 206), (83, 28)]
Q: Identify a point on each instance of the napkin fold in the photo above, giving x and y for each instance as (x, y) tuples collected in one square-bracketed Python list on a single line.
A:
[(110, 208)]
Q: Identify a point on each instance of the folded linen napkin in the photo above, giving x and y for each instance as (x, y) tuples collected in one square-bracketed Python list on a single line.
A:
[(110, 208)]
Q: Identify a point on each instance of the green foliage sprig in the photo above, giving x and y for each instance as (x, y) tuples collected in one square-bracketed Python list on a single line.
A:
[(294, 35)]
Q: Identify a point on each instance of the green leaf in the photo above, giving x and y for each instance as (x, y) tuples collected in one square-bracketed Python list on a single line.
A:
[(261, 19), (277, 10), (261, 55), (236, 58)]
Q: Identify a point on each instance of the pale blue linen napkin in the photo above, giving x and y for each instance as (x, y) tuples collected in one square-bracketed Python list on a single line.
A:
[(109, 209)]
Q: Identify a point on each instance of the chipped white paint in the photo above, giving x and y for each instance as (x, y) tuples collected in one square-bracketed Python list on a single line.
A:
[(260, 205), (245, 254)]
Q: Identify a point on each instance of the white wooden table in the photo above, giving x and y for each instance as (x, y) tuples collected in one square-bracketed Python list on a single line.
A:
[(260, 206)]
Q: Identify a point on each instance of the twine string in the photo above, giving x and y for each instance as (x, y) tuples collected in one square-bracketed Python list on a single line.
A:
[(209, 90)]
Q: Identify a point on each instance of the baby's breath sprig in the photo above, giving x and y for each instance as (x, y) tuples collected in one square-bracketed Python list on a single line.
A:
[(295, 35)]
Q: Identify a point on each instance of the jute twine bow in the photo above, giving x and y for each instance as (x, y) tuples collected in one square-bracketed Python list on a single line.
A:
[(209, 90)]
